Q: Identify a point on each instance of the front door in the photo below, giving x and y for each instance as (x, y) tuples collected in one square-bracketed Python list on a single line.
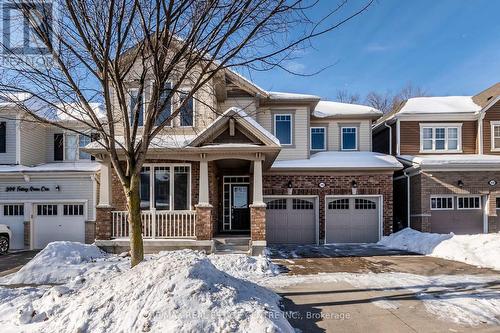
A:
[(240, 213)]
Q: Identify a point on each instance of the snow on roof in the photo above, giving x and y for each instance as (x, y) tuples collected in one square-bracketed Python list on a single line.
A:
[(446, 104), (52, 167), (339, 160), (447, 160), (276, 95), (332, 109), (158, 142)]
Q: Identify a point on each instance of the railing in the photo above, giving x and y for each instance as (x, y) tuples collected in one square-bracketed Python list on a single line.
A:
[(157, 224)]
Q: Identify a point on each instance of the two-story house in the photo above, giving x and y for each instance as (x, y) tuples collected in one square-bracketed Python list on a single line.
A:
[(271, 168), (450, 149), (48, 186)]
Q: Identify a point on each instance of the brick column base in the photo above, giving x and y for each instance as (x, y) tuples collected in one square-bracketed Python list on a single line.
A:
[(204, 225), (27, 234), (258, 222), (103, 223)]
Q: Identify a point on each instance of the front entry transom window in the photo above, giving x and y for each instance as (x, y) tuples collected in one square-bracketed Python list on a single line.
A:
[(165, 187)]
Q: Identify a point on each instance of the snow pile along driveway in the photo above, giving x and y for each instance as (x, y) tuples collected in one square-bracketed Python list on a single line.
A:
[(179, 291), (480, 250)]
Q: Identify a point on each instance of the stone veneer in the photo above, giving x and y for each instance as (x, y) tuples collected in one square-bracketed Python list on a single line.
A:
[(424, 185), (258, 222), (336, 184)]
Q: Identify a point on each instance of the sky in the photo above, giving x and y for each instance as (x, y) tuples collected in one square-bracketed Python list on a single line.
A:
[(446, 47)]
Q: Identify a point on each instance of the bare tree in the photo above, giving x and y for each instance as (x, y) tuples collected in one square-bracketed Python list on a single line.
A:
[(345, 96), (101, 49), (387, 101)]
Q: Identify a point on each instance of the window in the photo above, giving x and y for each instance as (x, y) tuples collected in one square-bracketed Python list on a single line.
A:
[(186, 112), (3, 137), (133, 101), (364, 204), (302, 204), (283, 128), (13, 210), (165, 105), (440, 138), (47, 210), (495, 135), (73, 210), (58, 147), (441, 203), (473, 202), (498, 203), (70, 147), (158, 189), (339, 204), (83, 141), (277, 204), (349, 138), (318, 138)]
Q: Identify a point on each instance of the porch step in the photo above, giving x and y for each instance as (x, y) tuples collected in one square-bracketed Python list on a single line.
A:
[(225, 245)]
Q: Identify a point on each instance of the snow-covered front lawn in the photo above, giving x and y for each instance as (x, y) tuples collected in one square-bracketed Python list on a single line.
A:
[(481, 250)]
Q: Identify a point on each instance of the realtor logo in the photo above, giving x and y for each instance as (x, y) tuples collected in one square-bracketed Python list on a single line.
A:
[(23, 25)]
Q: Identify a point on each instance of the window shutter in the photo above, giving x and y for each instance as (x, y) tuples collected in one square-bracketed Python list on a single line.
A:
[(58, 147), (3, 137)]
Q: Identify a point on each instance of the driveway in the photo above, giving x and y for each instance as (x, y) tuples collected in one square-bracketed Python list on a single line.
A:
[(13, 261), (345, 306)]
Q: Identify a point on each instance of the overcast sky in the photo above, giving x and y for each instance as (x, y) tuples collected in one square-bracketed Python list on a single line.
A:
[(447, 47)]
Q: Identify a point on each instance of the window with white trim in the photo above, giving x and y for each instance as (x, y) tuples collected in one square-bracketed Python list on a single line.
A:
[(276, 204), (439, 138), (364, 204), (302, 204), (339, 204), (495, 135), (46, 210), (318, 138), (165, 187), (349, 138), (442, 203), (498, 202), (13, 210), (73, 210), (132, 105), (471, 202), (70, 147), (283, 128), (165, 101), (186, 113)]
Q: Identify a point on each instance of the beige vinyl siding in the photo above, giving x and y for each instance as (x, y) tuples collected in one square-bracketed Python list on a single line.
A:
[(246, 104), (300, 130), (364, 133), (33, 143), (10, 155)]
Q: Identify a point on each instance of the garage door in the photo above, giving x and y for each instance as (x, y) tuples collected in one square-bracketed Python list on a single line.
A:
[(352, 220), (290, 221), (460, 215), (58, 222), (13, 216)]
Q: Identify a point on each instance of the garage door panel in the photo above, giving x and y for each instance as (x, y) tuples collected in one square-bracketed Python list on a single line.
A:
[(16, 225), (460, 222), (290, 221), (352, 220)]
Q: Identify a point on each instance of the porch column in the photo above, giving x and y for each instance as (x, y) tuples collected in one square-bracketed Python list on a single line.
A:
[(203, 196), (204, 230), (258, 199), (257, 209), (105, 193)]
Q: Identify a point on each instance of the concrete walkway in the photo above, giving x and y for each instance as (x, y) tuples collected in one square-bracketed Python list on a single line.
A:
[(339, 307)]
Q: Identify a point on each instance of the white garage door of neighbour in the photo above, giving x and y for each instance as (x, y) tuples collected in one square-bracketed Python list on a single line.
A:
[(12, 215), (58, 222)]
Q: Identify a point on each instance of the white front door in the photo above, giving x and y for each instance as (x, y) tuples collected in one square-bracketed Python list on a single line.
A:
[(12, 215), (58, 222)]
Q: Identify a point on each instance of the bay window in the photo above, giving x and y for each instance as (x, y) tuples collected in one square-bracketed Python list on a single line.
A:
[(165, 187), (440, 138)]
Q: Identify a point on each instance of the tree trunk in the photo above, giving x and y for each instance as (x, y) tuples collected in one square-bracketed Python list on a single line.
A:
[(134, 221)]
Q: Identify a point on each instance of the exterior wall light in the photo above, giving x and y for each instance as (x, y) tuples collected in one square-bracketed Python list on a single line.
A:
[(460, 183), (289, 187), (354, 187)]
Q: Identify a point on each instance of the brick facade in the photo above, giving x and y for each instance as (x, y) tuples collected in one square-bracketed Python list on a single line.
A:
[(336, 184), (258, 223), (426, 184)]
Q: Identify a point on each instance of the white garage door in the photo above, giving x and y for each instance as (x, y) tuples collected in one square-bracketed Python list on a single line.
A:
[(58, 222), (352, 220), (290, 221), (13, 216)]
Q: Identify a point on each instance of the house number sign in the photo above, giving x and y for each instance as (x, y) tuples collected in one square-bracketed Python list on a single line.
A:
[(27, 189)]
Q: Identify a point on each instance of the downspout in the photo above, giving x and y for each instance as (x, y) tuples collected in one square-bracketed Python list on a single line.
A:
[(390, 137), (408, 198), (480, 133)]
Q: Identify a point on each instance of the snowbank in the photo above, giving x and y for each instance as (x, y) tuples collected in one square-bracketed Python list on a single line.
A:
[(58, 262), (178, 291), (245, 267), (480, 250)]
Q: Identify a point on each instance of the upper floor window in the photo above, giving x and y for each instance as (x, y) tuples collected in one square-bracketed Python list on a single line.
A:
[(495, 135), (439, 138), (132, 104), (67, 146), (70, 147), (187, 110), (318, 138), (349, 138), (165, 105), (283, 128), (3, 137)]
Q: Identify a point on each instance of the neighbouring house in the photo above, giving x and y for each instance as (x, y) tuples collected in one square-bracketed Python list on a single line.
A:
[(450, 147), (268, 167), (48, 186)]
